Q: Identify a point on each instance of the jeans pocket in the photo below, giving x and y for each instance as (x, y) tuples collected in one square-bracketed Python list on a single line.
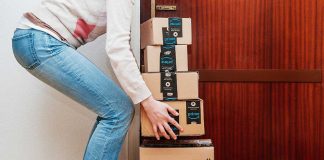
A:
[(24, 50)]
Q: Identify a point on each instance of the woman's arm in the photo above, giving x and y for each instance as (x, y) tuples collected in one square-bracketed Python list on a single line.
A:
[(119, 16)]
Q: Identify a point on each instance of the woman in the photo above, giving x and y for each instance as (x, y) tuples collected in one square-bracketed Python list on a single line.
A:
[(45, 44)]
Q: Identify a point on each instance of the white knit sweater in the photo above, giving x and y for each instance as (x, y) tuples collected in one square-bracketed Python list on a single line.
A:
[(82, 21)]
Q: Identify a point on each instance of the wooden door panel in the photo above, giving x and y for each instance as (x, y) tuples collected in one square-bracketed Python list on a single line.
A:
[(294, 35), (296, 107), (296, 115), (238, 119), (319, 111), (258, 120)]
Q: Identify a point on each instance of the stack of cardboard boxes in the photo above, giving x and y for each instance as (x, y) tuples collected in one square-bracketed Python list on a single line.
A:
[(165, 41)]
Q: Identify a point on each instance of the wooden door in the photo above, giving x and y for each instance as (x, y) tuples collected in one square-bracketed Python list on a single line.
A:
[(261, 65)]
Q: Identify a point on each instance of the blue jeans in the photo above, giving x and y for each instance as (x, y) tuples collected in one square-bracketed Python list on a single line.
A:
[(63, 68)]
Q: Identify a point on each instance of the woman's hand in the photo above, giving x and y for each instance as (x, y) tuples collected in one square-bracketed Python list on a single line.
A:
[(158, 114)]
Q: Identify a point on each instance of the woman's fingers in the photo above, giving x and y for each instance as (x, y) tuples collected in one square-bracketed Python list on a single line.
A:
[(171, 120), (161, 128), (172, 111), (160, 119), (170, 131), (157, 136), (175, 123)]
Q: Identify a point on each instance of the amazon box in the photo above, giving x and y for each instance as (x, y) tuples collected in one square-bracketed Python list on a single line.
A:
[(191, 118), (166, 31), (177, 150), (170, 58), (172, 85)]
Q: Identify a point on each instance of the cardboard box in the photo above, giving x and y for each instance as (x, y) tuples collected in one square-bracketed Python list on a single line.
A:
[(191, 118), (166, 31), (161, 58), (172, 85), (197, 150)]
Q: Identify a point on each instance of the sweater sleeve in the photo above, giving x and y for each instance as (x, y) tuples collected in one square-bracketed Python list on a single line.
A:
[(119, 16)]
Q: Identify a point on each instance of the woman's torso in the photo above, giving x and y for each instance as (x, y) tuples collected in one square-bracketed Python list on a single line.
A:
[(80, 21)]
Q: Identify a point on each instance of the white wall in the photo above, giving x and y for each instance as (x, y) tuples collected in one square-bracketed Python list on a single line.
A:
[(36, 121)]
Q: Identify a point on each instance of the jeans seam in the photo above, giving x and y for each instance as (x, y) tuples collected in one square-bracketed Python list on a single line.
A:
[(115, 122), (50, 52), (52, 38), (31, 48), (118, 120), (48, 41), (18, 37), (49, 58)]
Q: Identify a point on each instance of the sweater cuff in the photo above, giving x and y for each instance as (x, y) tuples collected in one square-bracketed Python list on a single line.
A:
[(142, 92)]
